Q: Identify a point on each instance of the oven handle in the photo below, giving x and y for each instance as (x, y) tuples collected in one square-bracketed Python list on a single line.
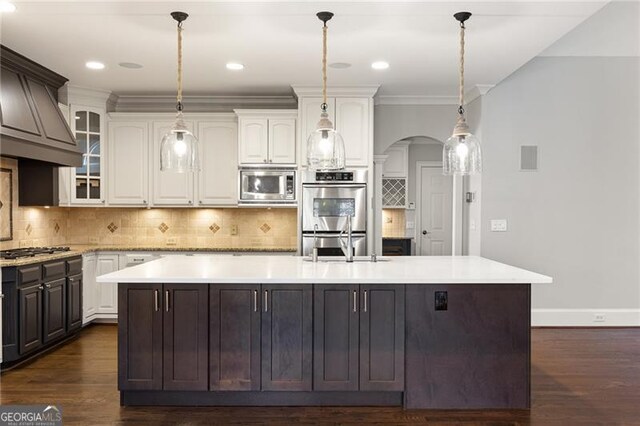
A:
[(336, 185), (337, 236)]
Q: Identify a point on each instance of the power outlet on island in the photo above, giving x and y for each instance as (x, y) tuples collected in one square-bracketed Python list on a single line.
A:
[(498, 225), (599, 318), (172, 241)]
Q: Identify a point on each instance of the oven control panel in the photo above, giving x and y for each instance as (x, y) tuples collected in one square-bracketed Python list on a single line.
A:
[(334, 176)]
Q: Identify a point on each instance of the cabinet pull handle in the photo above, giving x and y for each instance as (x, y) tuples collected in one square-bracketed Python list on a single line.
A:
[(166, 300), (266, 300), (40, 287), (47, 285), (255, 300), (355, 307), (156, 301), (365, 300)]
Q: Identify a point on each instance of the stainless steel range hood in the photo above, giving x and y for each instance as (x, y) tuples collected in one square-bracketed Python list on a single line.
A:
[(32, 126)]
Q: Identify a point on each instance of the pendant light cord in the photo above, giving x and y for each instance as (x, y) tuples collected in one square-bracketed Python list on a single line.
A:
[(461, 95), (324, 66), (179, 97)]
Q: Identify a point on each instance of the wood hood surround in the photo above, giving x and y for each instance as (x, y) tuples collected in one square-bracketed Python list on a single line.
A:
[(32, 126)]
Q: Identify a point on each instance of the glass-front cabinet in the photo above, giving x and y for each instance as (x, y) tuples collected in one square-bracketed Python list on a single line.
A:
[(87, 185)]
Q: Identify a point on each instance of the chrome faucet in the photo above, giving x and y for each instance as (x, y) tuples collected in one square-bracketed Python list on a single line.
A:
[(347, 248)]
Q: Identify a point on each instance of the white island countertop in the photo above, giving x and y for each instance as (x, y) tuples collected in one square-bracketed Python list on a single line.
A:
[(295, 269)]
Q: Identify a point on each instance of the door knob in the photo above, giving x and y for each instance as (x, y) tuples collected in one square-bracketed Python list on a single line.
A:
[(425, 232)]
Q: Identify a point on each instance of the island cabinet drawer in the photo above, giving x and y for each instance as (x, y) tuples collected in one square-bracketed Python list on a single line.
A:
[(53, 270), (162, 337), (358, 337), (29, 274)]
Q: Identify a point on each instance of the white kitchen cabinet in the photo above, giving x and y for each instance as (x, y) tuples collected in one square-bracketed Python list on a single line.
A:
[(267, 137), (353, 121), (352, 118), (87, 181), (107, 294), (168, 188), (128, 163), (89, 288), (254, 140), (218, 175), (397, 163)]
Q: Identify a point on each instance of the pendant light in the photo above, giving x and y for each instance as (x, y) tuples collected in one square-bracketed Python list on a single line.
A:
[(325, 146), (179, 147), (461, 154)]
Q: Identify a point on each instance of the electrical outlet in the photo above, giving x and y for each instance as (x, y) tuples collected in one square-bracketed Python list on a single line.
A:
[(599, 318), (172, 241), (498, 225), (93, 240), (234, 229)]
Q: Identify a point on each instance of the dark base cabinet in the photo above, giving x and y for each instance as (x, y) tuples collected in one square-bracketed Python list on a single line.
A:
[(473, 354), (420, 346), (42, 306)]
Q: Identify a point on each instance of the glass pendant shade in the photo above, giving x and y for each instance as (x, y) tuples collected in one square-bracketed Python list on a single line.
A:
[(325, 147), (462, 155), (179, 150)]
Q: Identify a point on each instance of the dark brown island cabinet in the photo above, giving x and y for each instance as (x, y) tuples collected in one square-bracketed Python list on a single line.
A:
[(42, 306), (433, 346)]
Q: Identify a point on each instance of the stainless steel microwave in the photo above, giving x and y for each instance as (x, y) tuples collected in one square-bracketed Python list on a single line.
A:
[(267, 186)]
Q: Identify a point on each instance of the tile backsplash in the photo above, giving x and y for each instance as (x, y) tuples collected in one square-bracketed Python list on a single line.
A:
[(198, 228), (393, 223)]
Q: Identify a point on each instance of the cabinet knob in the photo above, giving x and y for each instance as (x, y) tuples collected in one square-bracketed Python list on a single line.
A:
[(200, 202), (102, 201), (264, 161), (270, 160), (47, 285), (144, 201), (190, 202)]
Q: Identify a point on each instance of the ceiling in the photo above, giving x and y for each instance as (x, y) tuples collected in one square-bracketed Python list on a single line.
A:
[(279, 42)]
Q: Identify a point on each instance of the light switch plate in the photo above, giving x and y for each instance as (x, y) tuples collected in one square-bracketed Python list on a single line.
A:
[(498, 225), (234, 229)]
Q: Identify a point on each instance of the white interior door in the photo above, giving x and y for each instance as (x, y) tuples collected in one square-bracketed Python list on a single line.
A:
[(435, 194)]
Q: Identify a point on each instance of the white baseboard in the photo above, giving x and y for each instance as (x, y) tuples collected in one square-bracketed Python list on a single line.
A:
[(585, 317)]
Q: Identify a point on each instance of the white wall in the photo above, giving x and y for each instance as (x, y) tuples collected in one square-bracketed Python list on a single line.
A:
[(578, 217)]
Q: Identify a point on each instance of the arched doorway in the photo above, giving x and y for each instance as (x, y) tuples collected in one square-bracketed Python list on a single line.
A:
[(432, 209)]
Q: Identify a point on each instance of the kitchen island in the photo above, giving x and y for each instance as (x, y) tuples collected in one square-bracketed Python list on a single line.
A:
[(422, 332)]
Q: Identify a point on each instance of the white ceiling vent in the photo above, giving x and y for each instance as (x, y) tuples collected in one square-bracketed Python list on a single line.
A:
[(529, 158)]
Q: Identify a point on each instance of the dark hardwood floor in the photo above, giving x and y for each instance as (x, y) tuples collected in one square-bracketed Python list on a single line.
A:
[(580, 377)]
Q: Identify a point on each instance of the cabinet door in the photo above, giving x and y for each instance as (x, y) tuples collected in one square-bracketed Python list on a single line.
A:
[(353, 121), (30, 318), (309, 117), (218, 176), (185, 335), (335, 334), (55, 312), (87, 181), (282, 141), (253, 137), (168, 188), (286, 337), (128, 163), (107, 293), (382, 338), (90, 290), (397, 162), (74, 302), (140, 337), (234, 333)]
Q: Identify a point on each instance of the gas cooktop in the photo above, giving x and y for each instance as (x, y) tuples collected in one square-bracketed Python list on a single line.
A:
[(30, 252)]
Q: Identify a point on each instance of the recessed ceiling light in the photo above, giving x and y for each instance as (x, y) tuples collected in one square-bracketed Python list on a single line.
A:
[(235, 66), (340, 65), (6, 6), (94, 65), (130, 65), (380, 65)]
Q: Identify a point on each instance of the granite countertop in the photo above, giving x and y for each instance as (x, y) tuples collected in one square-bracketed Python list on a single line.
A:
[(78, 250), (299, 270)]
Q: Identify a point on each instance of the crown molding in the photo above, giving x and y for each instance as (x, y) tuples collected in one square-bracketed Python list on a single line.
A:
[(366, 91), (208, 116), (472, 94), (70, 94), (269, 113), (202, 103)]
